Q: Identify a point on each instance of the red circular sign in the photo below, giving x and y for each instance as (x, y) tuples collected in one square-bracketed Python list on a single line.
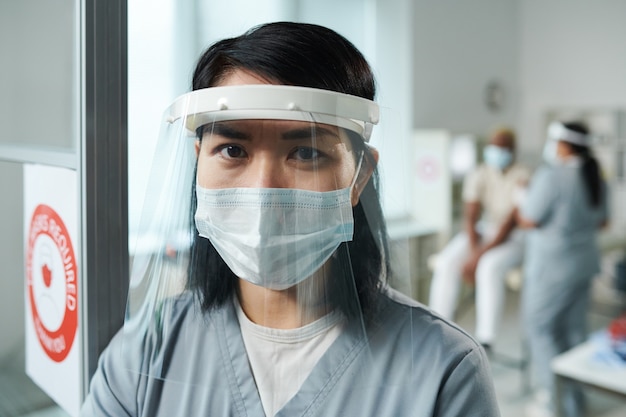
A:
[(47, 225)]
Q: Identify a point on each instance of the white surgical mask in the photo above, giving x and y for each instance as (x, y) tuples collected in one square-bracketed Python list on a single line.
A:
[(497, 156), (274, 237)]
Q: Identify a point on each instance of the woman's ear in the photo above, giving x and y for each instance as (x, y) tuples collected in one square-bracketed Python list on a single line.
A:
[(370, 160), (197, 147)]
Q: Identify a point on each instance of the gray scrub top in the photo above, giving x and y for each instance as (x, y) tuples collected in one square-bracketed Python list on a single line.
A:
[(413, 363), (563, 249)]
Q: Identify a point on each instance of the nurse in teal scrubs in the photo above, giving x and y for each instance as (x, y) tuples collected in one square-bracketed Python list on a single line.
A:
[(566, 205), (282, 307)]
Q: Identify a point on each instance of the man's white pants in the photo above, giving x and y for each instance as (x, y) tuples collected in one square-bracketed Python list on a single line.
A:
[(490, 280)]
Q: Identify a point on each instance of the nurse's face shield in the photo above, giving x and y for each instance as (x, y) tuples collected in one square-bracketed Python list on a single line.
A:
[(559, 132), (257, 188)]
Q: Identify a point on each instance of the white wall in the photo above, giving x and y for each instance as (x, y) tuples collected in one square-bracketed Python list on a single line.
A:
[(459, 47), (572, 54), (37, 72), (381, 30), (392, 64)]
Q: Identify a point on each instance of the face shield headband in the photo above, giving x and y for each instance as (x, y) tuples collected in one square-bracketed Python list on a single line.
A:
[(278, 102), (558, 131)]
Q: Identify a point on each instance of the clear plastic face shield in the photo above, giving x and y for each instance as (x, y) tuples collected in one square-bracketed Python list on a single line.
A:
[(268, 238), (275, 187), (558, 132)]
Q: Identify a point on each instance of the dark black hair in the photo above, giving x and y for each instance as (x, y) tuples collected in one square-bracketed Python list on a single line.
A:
[(590, 168), (304, 55)]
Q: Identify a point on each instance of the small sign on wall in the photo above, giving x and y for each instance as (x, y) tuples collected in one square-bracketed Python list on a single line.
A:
[(432, 181), (53, 349)]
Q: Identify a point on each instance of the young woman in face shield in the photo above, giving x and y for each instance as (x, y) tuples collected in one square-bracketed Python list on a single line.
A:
[(285, 311), (565, 206)]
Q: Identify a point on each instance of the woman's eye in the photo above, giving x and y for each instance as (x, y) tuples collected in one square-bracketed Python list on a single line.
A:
[(306, 154), (232, 151)]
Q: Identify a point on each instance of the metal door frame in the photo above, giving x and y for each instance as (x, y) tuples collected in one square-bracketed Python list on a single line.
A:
[(104, 175)]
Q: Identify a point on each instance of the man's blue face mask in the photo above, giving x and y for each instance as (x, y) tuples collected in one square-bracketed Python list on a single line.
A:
[(497, 156)]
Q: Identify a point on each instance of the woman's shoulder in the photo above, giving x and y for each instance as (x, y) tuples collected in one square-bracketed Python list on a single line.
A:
[(428, 330), (423, 346), (152, 339), (152, 322), (156, 315), (546, 173), (554, 176)]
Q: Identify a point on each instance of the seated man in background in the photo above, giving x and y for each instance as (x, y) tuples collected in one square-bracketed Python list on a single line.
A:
[(490, 245)]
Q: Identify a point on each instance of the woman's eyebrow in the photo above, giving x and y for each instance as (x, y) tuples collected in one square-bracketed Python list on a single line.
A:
[(227, 131), (309, 132)]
